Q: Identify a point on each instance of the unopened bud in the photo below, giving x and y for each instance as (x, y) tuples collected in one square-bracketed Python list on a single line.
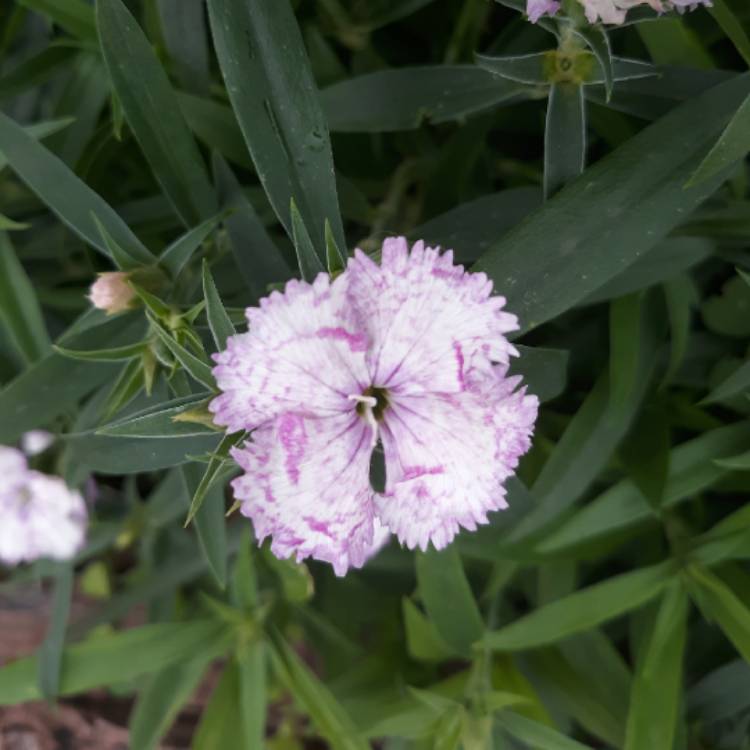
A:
[(111, 292)]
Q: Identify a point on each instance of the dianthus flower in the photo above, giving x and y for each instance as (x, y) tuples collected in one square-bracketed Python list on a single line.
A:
[(40, 517), (535, 9), (411, 352)]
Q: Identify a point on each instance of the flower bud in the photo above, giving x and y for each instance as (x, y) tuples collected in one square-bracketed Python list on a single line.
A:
[(111, 292)]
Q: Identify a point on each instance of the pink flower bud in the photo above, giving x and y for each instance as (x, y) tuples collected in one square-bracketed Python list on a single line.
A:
[(111, 292)]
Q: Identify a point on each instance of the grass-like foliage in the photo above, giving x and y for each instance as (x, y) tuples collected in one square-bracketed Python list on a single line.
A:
[(200, 153)]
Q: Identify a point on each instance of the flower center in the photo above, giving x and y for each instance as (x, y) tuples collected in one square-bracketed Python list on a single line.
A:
[(376, 400)]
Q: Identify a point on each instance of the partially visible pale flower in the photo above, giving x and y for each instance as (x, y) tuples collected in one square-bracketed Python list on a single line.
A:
[(412, 352), (610, 11), (535, 9), (683, 5), (111, 292), (613, 11), (40, 517), (35, 442)]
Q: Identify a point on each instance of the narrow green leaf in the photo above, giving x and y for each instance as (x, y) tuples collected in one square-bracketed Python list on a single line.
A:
[(28, 402), (692, 468), (126, 387), (588, 442), (164, 695), (645, 453), (116, 354), (335, 258), (532, 69), (111, 659), (75, 16), (19, 308), (152, 110), (665, 263), (210, 523), (161, 421), (259, 261), (680, 297), (310, 264), (737, 382), (183, 25), (538, 736), (625, 318), (598, 41), (564, 136), (583, 610), (221, 724), (212, 473), (51, 651), (613, 214), (176, 256), (329, 717), (244, 582), (423, 641), (215, 124), (64, 193), (265, 67), (196, 368), (732, 27), (405, 98), (218, 320), (544, 371), (448, 599), (34, 71), (720, 604), (251, 664), (657, 688), (732, 146)]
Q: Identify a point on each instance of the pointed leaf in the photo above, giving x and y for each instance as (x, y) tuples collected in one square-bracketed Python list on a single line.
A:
[(265, 67), (153, 112), (564, 136), (218, 320), (64, 193)]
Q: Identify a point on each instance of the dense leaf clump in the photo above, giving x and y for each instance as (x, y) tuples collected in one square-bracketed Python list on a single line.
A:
[(187, 158)]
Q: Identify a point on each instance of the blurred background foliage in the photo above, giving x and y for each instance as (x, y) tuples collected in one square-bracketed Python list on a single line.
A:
[(216, 149)]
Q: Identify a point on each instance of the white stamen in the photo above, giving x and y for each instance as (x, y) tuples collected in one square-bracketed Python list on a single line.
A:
[(370, 403)]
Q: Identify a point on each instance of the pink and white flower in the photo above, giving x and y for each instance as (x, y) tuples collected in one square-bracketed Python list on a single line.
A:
[(610, 11), (412, 352), (535, 9), (40, 516)]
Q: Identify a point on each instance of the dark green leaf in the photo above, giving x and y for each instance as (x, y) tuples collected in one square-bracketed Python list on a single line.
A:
[(164, 696), (732, 146), (447, 597), (265, 67), (330, 719), (210, 523), (309, 262), (64, 193), (657, 688), (218, 320), (51, 651), (582, 610), (111, 659), (19, 308), (613, 214), (174, 258), (564, 136), (116, 354), (75, 16), (405, 98), (257, 258), (153, 113)]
